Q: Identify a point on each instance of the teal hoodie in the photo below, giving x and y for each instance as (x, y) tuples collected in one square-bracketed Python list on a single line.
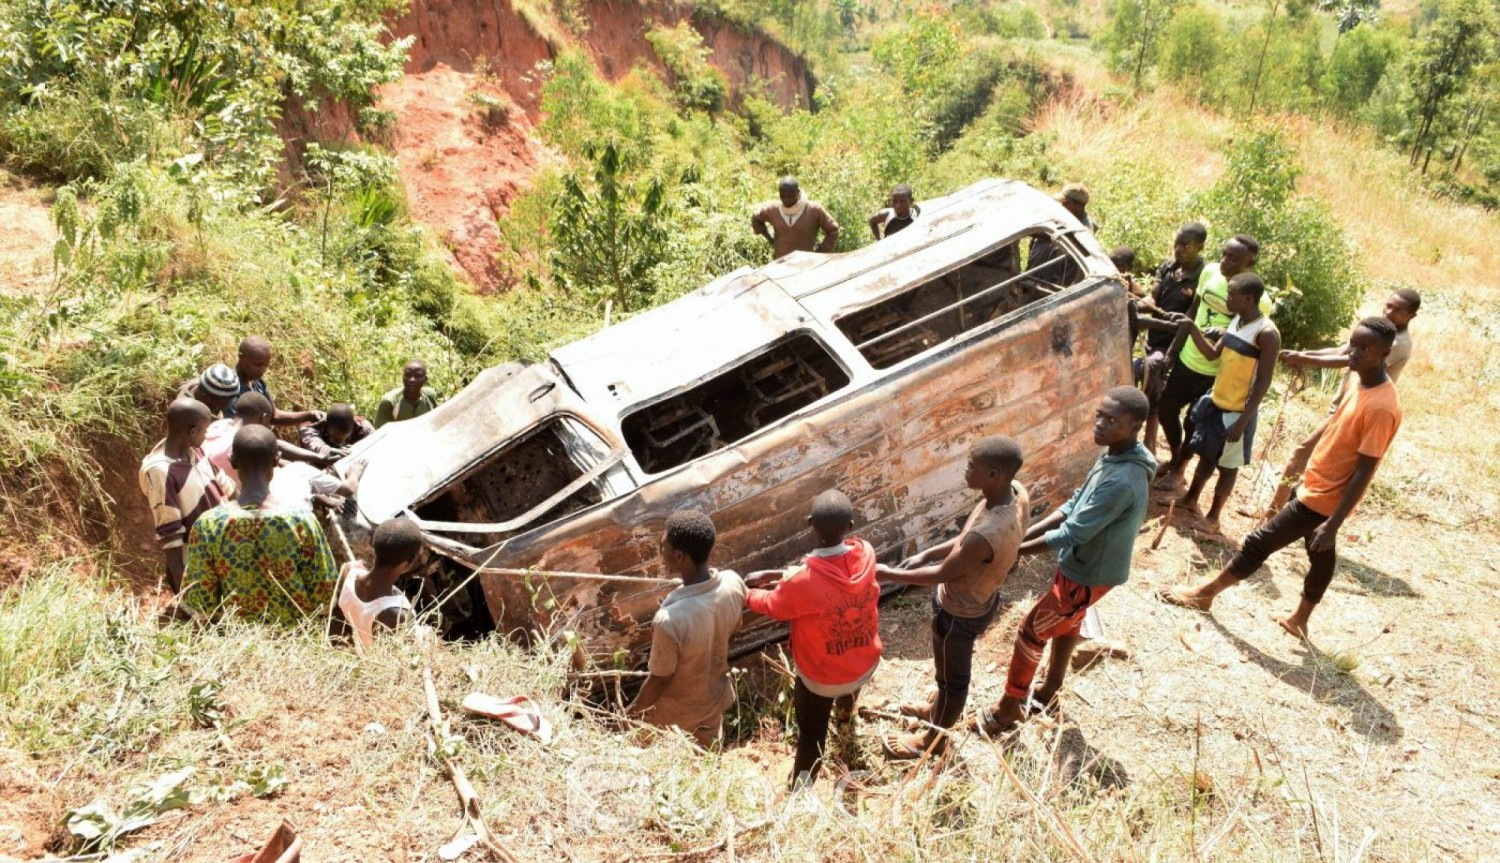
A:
[(1097, 537)]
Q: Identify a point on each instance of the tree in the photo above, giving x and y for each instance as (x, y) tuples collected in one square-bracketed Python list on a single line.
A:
[(608, 232), (1192, 52), (1461, 37), (1134, 33)]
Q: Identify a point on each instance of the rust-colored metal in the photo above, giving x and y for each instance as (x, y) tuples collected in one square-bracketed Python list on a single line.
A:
[(729, 397)]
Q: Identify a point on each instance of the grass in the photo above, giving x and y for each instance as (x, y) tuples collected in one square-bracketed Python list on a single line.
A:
[(1245, 746)]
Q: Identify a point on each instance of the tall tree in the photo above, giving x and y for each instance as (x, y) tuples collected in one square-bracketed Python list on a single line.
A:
[(1460, 39), (1134, 35)]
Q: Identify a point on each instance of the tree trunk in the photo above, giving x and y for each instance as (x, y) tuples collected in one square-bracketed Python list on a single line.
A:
[(1261, 63)]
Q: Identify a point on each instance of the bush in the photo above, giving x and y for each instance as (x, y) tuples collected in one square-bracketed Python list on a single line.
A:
[(1192, 53), (696, 84), (1305, 258), (1361, 58)]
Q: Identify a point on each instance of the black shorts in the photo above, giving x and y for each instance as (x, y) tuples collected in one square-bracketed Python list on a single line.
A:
[(1184, 386)]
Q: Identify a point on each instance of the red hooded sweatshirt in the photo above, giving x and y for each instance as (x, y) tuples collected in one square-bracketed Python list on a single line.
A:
[(833, 606)]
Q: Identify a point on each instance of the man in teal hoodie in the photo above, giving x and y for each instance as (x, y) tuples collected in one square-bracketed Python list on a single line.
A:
[(1094, 537)]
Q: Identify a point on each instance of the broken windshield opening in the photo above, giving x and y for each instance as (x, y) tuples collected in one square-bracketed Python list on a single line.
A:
[(550, 471), (733, 404), (937, 311)]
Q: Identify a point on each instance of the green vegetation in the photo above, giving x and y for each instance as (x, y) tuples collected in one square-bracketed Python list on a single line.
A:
[(176, 234), (1427, 84)]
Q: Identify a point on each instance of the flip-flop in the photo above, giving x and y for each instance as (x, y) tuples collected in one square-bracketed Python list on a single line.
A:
[(988, 727), (1035, 708), (518, 712), (897, 749)]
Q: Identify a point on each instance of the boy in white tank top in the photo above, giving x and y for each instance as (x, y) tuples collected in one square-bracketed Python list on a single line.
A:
[(368, 597)]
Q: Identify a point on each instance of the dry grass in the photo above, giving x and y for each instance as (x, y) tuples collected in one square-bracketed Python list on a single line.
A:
[(1221, 738)]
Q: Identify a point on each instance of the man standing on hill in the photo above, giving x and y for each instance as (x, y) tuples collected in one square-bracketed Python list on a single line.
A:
[(1074, 198), (180, 483), (795, 222), (410, 400), (1224, 419), (1192, 374), (1171, 300), (898, 216), (968, 571), (254, 359), (1093, 534), (1340, 471), (1400, 308)]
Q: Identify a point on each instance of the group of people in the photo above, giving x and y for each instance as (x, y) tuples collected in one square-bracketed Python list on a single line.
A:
[(831, 599), (232, 502), (1209, 356)]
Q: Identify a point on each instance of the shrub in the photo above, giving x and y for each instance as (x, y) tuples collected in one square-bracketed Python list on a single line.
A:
[(1361, 58), (696, 84), (1192, 52), (1305, 258)]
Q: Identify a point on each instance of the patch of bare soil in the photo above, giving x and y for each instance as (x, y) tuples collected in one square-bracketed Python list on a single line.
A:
[(27, 240), (469, 102), (29, 808)]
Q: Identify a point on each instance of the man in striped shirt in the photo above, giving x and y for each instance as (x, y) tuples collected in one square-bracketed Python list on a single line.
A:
[(1224, 419), (180, 483)]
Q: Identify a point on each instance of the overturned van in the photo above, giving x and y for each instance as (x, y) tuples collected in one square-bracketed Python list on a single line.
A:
[(870, 371)]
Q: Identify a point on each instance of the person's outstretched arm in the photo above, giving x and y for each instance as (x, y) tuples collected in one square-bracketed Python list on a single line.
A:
[(965, 558)]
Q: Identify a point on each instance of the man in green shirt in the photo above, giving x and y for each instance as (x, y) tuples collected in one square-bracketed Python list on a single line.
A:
[(1193, 373), (411, 399)]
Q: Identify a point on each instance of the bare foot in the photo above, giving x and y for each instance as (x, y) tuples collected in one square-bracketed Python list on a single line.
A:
[(1186, 599), (1167, 482), (920, 710), (1293, 626), (1208, 526)]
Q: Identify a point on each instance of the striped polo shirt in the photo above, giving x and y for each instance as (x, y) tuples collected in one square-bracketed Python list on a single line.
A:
[(1237, 363)]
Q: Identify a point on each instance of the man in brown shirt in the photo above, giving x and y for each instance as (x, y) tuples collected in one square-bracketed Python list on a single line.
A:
[(968, 572), (795, 221), (689, 686)]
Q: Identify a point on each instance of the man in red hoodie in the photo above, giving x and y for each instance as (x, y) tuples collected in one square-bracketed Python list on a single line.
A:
[(967, 571), (832, 602)]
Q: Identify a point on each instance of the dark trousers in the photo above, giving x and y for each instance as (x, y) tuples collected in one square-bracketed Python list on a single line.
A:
[(1184, 386), (953, 658), (1293, 522), (813, 711)]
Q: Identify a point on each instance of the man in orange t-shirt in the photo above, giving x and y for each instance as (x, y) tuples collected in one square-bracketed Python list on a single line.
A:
[(1340, 470)]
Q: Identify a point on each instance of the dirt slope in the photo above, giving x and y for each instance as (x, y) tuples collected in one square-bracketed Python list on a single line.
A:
[(462, 161)]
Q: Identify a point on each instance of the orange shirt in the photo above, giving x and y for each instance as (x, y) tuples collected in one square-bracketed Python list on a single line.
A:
[(1364, 424)]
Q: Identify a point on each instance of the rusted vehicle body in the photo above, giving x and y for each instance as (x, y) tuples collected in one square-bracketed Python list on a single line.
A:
[(870, 371)]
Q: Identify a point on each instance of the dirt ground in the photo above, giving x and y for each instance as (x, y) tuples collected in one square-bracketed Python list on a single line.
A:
[(1404, 747)]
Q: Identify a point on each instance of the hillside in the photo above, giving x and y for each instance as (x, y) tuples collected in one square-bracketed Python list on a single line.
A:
[(1219, 737), (468, 104)]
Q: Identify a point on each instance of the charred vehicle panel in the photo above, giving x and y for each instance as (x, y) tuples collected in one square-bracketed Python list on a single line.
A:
[(871, 371)]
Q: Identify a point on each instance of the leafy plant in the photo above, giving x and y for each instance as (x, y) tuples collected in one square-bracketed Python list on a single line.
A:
[(696, 84), (96, 827), (1305, 259)]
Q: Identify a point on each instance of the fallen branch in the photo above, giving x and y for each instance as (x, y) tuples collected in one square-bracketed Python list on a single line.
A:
[(1165, 523), (468, 798)]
